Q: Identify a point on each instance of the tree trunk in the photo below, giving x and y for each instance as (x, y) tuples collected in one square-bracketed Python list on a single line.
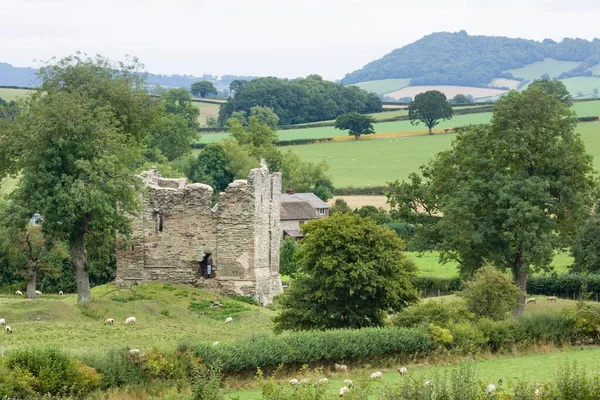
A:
[(82, 278), (520, 279), (32, 282), (357, 136), (430, 132)]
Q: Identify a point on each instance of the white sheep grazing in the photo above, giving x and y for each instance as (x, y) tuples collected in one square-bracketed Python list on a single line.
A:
[(340, 367), (109, 321), (2, 322), (348, 382), (229, 320), (491, 388), (536, 392), (38, 293), (130, 320), (552, 299), (323, 381), (19, 293), (377, 375), (428, 382), (531, 300), (216, 343), (402, 371), (134, 351), (60, 293), (8, 329), (344, 390), (294, 381)]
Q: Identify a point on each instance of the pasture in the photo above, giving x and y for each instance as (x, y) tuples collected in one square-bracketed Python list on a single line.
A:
[(448, 90), (383, 86), (583, 84), (206, 110), (502, 82), (537, 69), (13, 94)]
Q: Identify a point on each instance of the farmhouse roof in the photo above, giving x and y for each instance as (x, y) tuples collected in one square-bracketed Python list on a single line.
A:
[(297, 211), (311, 198)]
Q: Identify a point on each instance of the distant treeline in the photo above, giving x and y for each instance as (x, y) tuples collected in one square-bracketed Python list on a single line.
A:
[(459, 59), (300, 100)]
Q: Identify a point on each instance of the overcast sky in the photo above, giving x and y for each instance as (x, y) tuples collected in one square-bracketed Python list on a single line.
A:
[(269, 37)]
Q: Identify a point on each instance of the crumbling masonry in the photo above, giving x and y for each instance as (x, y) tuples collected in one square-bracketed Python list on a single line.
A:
[(232, 247)]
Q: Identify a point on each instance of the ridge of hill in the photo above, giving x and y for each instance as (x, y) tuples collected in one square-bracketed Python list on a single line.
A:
[(446, 58)]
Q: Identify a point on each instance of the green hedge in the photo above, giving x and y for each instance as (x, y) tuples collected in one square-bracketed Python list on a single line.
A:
[(313, 346), (431, 286), (588, 119), (564, 285), (363, 191)]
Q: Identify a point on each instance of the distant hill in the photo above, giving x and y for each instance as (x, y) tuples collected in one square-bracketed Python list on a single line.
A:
[(25, 77), (459, 59)]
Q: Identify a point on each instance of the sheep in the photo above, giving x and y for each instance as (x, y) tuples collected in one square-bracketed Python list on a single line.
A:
[(130, 320), (294, 381), (60, 293), (348, 382), (19, 293), (109, 321), (323, 381), (402, 371), (552, 299), (536, 392), (215, 343), (377, 375), (2, 322), (229, 320), (8, 329), (531, 300), (134, 351), (38, 293), (340, 367), (491, 388), (344, 390), (428, 382)]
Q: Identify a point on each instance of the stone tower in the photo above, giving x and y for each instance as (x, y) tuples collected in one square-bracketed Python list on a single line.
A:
[(232, 247)]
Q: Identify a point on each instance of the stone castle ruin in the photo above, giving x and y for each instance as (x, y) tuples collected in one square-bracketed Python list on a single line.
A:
[(232, 247)]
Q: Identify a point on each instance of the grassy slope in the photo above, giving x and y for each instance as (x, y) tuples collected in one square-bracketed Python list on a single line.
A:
[(206, 110), (163, 320), (536, 70), (584, 84), (384, 85), (12, 94)]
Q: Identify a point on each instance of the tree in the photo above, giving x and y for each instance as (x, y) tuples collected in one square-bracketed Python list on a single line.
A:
[(586, 249), (179, 102), (76, 143), (172, 135), (352, 274), (265, 116), (203, 89), (513, 192), (288, 265), (492, 294), (340, 206), (213, 167), (236, 85), (556, 88), (356, 124), (429, 108), (460, 99)]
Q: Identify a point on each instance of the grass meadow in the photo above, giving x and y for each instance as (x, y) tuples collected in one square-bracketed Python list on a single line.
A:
[(384, 85), (536, 70), (13, 94), (206, 110), (583, 84)]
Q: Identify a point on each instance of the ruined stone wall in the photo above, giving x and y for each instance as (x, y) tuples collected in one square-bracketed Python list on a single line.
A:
[(178, 229)]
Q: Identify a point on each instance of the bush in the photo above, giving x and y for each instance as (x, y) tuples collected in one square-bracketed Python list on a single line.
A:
[(315, 346), (492, 294), (432, 286), (553, 328), (564, 285), (48, 370), (208, 385), (440, 313), (117, 368)]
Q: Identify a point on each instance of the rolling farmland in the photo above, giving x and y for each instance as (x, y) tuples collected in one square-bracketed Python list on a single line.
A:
[(206, 110), (383, 86), (549, 66), (9, 94), (449, 91)]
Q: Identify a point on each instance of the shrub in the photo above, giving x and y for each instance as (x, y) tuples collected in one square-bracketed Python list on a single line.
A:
[(48, 370), (500, 335), (116, 367), (440, 313), (315, 346), (440, 336), (436, 286), (564, 285), (468, 339), (208, 385), (555, 328), (492, 294)]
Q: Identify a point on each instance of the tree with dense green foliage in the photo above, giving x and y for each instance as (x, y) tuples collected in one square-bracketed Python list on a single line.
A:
[(236, 85), (300, 100), (492, 294), (288, 265), (586, 249), (473, 60), (179, 102), (171, 135), (352, 274), (514, 191), (265, 116), (460, 99), (76, 143), (8, 109), (429, 108), (556, 88), (323, 188), (340, 206), (203, 89), (213, 167), (357, 124)]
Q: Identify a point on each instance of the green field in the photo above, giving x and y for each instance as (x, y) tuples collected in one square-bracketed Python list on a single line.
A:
[(375, 162), (13, 94), (383, 86), (7, 185), (206, 110), (584, 84), (537, 69)]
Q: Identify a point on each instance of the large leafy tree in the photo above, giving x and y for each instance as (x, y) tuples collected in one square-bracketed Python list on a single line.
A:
[(429, 108), (556, 88), (213, 167), (76, 143), (203, 89), (352, 274), (513, 192), (356, 124)]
